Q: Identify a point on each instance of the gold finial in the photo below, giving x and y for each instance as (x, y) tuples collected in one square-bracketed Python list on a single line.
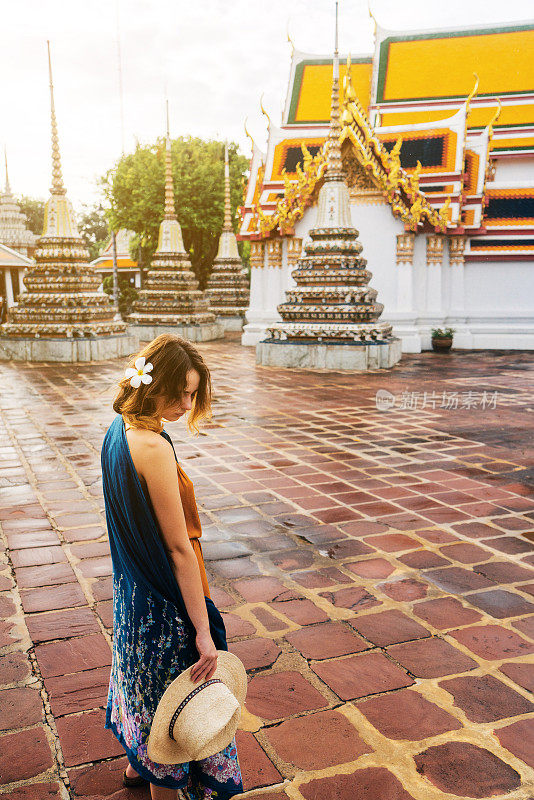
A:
[(372, 17), (8, 187), (227, 226), (170, 211), (473, 92), (290, 40), (334, 169), (349, 95), (491, 123), (263, 111), (57, 179)]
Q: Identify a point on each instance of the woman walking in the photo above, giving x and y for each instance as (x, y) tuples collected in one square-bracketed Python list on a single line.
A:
[(164, 620)]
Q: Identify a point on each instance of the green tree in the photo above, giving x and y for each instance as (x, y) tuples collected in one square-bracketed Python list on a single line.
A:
[(94, 228), (33, 207), (127, 293), (134, 189)]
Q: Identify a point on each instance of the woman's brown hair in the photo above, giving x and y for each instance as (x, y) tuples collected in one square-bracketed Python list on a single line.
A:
[(172, 358)]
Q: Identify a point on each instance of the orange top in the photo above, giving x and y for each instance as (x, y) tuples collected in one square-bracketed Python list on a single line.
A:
[(192, 522)]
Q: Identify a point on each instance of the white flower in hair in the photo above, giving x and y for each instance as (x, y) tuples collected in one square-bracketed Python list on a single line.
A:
[(140, 374)]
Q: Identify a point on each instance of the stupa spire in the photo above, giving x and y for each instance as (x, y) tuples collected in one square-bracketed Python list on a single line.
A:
[(8, 187), (57, 178), (334, 169), (170, 211), (227, 225)]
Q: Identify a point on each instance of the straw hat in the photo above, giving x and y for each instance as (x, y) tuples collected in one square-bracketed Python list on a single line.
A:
[(197, 720)]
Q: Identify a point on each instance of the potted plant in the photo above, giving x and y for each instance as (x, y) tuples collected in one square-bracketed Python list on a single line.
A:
[(442, 339)]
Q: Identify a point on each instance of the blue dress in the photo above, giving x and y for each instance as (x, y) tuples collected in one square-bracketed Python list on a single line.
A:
[(153, 637)]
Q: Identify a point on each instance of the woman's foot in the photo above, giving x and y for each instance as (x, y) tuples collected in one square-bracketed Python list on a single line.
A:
[(132, 778)]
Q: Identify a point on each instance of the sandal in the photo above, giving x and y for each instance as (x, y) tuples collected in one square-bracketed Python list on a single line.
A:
[(132, 782)]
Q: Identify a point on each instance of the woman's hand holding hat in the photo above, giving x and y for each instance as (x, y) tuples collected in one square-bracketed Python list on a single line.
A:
[(204, 668)]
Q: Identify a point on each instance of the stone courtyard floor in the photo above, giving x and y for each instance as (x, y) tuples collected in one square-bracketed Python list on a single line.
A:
[(375, 569)]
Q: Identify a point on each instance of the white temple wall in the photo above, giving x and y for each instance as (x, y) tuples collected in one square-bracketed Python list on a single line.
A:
[(515, 169)]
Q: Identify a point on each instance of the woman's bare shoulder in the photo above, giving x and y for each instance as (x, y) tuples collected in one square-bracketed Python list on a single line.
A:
[(147, 446)]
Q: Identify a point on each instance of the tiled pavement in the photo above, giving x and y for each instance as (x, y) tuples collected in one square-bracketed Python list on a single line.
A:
[(376, 570)]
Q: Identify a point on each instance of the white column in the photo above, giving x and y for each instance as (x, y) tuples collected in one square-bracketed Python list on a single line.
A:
[(254, 330), (137, 279), (405, 287), (22, 273), (10, 300), (457, 268), (434, 263)]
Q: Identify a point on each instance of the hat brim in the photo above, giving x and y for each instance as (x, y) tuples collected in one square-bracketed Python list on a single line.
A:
[(164, 750)]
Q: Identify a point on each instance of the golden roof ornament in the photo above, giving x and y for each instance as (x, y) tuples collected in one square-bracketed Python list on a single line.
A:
[(57, 178)]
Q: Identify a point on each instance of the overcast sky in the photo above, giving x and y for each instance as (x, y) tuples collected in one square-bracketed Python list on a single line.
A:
[(214, 58)]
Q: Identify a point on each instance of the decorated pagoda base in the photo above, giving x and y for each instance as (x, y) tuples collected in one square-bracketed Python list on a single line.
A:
[(338, 356), (193, 333), (93, 348), (234, 323)]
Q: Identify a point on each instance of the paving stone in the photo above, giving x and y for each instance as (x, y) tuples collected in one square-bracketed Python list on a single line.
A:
[(301, 741), (445, 613), (327, 640), (431, 658), (235, 567), (423, 559), (90, 549), (49, 598), (312, 579), (525, 626), (361, 675), (47, 575), (512, 545), (293, 559), (83, 738), (80, 691), (24, 755), (221, 598), (518, 738), (346, 548), (36, 791), (257, 769), (493, 642), (37, 556), (504, 571), (280, 694), (388, 627), (392, 542), (22, 541), (465, 770), (457, 580), (364, 528), (95, 567), (7, 607), (406, 714), (373, 783), (256, 653), (268, 620), (501, 604), (476, 530), (20, 708), (485, 699), (406, 589), (102, 589), (371, 568), (353, 597), (14, 667), (103, 780), (263, 589), (302, 611), (236, 626), (466, 553), (62, 624), (522, 674), (73, 655)]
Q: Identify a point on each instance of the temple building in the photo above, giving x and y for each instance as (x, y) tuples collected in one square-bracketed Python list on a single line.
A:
[(127, 268), (62, 316), (171, 302), (437, 145), (17, 244), (227, 288), (331, 319)]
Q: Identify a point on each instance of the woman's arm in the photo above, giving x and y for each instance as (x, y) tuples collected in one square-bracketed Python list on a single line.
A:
[(159, 470)]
